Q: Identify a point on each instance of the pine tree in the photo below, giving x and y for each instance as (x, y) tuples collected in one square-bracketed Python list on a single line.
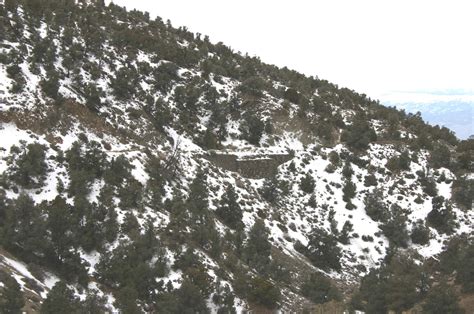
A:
[(30, 168), (24, 225), (395, 227), (442, 299), (202, 223), (349, 191), (11, 298), (441, 217), (258, 248), (252, 129), (403, 280), (3, 207), (359, 134), (95, 304), (60, 299), (319, 289), (347, 228), (126, 299), (223, 298), (440, 157), (164, 76), (50, 86), (269, 190), (190, 299), (375, 207), (131, 195), (420, 234), (322, 250), (373, 291), (106, 205), (465, 272), (92, 233), (229, 210), (263, 292), (59, 223), (209, 140), (307, 183), (118, 171)]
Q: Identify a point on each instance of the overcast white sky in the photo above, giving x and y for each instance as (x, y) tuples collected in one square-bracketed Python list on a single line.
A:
[(372, 46)]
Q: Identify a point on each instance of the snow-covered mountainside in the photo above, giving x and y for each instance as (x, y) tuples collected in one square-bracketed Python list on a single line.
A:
[(144, 169)]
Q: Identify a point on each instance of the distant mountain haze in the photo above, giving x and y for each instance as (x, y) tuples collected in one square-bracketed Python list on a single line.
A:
[(453, 109)]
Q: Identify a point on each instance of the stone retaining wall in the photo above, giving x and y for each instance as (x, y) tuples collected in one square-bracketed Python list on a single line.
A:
[(251, 166)]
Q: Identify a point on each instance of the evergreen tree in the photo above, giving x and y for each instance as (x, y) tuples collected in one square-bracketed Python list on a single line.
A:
[(263, 292), (179, 216), (349, 191), (440, 157), (359, 134), (164, 76), (465, 272), (429, 186), (223, 298), (30, 168), (24, 225), (190, 300), (441, 217), (395, 227), (319, 289), (95, 304), (403, 279), (229, 210), (3, 208), (396, 286), (131, 194), (252, 129), (420, 234), (124, 83), (292, 95), (209, 140), (347, 228), (202, 223), (258, 248), (307, 183), (60, 299), (269, 190), (119, 171), (92, 233), (372, 292), (59, 224), (252, 87), (463, 191), (51, 85), (11, 298), (322, 250), (442, 299), (106, 205), (93, 94), (347, 171), (126, 299)]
